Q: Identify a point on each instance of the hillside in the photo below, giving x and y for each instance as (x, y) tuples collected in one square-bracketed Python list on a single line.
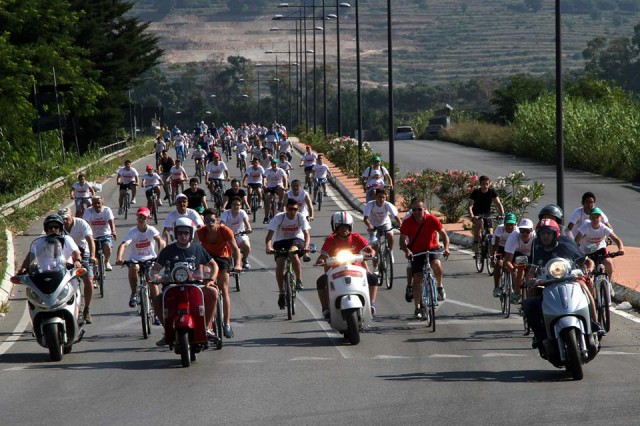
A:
[(451, 40)]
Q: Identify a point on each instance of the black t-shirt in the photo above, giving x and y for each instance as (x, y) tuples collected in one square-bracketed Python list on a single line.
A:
[(565, 248), (482, 201), (167, 164), (195, 255), (194, 197), (230, 194)]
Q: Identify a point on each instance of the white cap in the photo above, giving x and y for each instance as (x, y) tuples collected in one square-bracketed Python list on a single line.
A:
[(526, 224)]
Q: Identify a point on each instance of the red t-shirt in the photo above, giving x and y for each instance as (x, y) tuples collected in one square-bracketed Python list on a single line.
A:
[(219, 248), (333, 244), (427, 240)]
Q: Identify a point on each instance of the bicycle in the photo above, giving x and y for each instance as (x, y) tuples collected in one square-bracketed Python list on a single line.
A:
[(82, 204), (126, 201), (484, 248), (145, 306), (99, 270), (273, 206), (177, 187), (524, 292), (153, 202), (385, 260), (199, 170), (506, 289), (235, 273), (242, 164), (429, 295), (317, 192), (602, 286), (218, 197), (254, 203), (290, 291)]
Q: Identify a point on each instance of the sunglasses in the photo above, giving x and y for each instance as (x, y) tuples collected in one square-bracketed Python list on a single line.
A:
[(208, 221), (416, 209), (525, 231), (140, 217), (51, 227), (292, 209)]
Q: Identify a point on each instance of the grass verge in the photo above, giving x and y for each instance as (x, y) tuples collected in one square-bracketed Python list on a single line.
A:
[(487, 136)]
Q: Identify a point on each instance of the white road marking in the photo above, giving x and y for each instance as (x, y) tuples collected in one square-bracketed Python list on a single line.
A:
[(449, 356), (310, 358), (15, 335), (469, 321), (617, 353), (391, 357), (469, 305), (626, 315), (501, 354)]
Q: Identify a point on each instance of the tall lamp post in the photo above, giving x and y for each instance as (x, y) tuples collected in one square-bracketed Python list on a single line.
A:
[(339, 95), (359, 88), (559, 110), (289, 65), (391, 110)]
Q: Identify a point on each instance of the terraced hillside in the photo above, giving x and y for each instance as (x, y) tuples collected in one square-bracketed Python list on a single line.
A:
[(447, 40)]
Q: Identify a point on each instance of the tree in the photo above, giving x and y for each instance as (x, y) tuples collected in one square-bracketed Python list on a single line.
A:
[(521, 88)]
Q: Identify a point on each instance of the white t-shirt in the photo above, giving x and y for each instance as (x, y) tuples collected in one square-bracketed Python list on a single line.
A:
[(579, 217), (320, 171), (275, 178), (216, 171), (241, 148), (177, 173), (127, 176), (173, 216), (285, 146), (515, 244), (151, 181), (265, 162), (178, 140), (287, 229), (236, 224), (79, 231), (596, 236), (380, 215), (309, 159), (143, 247), (160, 146), (198, 154), (285, 165), (500, 235), (254, 175), (300, 199), (81, 191), (375, 177), (99, 222)]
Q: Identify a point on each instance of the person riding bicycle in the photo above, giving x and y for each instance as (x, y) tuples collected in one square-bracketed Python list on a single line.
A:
[(253, 180), (200, 157), (101, 220), (479, 208), (500, 237), (308, 160), (581, 214), (519, 243), (218, 240), (197, 198), (127, 178), (185, 249), (143, 237), (81, 192), (166, 163), (321, 173), (276, 182), (178, 177), (284, 164), (419, 233), (302, 198), (241, 147), (343, 238), (271, 138), (596, 232), (181, 211), (291, 230), (217, 174), (375, 177), (151, 183), (160, 146), (284, 147), (238, 221), (234, 191), (265, 158), (179, 144), (377, 216)]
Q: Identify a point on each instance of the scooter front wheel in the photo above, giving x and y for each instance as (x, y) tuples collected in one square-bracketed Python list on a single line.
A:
[(54, 343), (183, 344), (353, 331), (574, 360)]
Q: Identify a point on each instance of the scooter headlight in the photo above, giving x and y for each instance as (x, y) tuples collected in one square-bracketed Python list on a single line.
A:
[(344, 256), (558, 268), (64, 294), (180, 273), (34, 298)]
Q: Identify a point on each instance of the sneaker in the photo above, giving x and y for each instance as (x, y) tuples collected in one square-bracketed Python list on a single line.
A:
[(408, 294), (326, 313), (156, 320), (515, 298), (95, 284), (265, 221), (497, 291), (161, 342), (87, 316), (133, 201), (596, 327), (442, 295), (211, 336), (133, 301), (160, 203), (108, 267), (418, 314), (393, 259), (611, 291), (228, 332), (120, 211), (299, 285), (306, 258), (313, 202), (373, 309), (281, 301), (246, 265)]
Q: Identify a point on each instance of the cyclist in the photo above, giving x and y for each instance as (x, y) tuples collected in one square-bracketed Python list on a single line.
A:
[(291, 231), (217, 173), (276, 180), (197, 198), (271, 138), (78, 229), (81, 192), (479, 207), (235, 191), (265, 158), (166, 163), (302, 198), (159, 147), (101, 220), (151, 183), (377, 216), (518, 244), (166, 134), (343, 238), (596, 232), (238, 221), (308, 160), (143, 237), (178, 176), (500, 236), (284, 164), (256, 149), (199, 156), (218, 240), (127, 178), (374, 177), (181, 211), (254, 179), (241, 148), (320, 173), (209, 140), (581, 214), (179, 144), (185, 249), (418, 233), (284, 147)]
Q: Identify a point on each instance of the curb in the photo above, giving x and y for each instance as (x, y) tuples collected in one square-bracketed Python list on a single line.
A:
[(6, 286)]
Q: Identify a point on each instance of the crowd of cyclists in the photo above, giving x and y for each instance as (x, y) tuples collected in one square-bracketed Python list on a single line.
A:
[(213, 229)]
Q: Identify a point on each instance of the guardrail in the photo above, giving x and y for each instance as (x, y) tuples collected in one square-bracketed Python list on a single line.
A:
[(104, 150)]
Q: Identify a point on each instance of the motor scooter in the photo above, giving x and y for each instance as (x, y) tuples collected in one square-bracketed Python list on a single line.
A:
[(349, 304), (54, 298), (571, 343)]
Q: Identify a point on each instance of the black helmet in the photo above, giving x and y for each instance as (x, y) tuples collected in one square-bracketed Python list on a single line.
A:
[(551, 210), (53, 218)]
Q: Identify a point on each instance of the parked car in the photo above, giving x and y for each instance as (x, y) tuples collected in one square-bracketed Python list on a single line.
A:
[(404, 133)]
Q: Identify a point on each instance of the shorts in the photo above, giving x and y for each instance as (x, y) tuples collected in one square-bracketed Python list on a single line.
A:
[(165, 176), (287, 244), (273, 190), (85, 262), (500, 251), (149, 192), (308, 169), (417, 263), (125, 186), (224, 263), (597, 256), (105, 239), (240, 239), (255, 185)]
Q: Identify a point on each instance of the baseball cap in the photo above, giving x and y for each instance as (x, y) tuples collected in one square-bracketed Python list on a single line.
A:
[(143, 211), (510, 218), (64, 213), (596, 210), (525, 224), (377, 159), (181, 196), (274, 161), (149, 167)]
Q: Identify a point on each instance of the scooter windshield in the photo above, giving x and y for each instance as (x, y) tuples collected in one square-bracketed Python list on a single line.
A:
[(46, 255)]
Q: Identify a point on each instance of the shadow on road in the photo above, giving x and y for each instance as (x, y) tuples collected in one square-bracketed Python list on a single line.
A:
[(518, 376)]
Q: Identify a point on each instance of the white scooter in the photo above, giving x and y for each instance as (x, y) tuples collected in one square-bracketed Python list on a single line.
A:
[(349, 304), (54, 299)]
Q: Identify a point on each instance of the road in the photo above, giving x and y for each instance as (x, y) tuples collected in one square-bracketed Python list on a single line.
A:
[(616, 198), (477, 368)]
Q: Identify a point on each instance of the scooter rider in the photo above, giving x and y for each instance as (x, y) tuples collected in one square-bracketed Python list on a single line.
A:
[(185, 249), (343, 238)]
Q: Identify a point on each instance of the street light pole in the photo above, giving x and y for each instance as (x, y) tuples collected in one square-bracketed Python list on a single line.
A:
[(559, 110), (324, 70), (306, 72), (359, 87), (277, 81), (392, 195), (315, 71), (338, 67)]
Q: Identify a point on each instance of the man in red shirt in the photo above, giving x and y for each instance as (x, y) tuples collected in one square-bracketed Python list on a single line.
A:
[(343, 239), (418, 234)]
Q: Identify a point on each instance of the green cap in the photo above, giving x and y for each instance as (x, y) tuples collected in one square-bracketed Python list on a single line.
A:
[(377, 159), (510, 218), (596, 210)]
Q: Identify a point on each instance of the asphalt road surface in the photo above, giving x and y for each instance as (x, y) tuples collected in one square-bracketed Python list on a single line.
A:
[(476, 369)]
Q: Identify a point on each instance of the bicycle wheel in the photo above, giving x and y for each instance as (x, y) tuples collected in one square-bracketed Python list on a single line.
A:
[(219, 320), (525, 321), (389, 271), (490, 267), (254, 206), (507, 288), (604, 314), (433, 294), (319, 199), (125, 204), (101, 272), (480, 256), (144, 311), (287, 294)]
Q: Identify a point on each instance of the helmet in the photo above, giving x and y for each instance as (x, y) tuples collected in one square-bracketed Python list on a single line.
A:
[(525, 224), (548, 224), (149, 167), (341, 218), (143, 211), (184, 222), (53, 218), (510, 218), (552, 210)]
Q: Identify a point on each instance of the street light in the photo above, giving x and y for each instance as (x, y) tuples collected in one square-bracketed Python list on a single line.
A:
[(338, 6), (359, 88), (559, 107), (391, 109), (288, 52)]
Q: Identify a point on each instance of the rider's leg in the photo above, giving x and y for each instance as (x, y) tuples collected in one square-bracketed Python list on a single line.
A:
[(608, 267), (133, 278), (120, 198), (210, 299), (280, 261), (134, 190), (297, 265), (438, 271), (223, 284), (245, 249), (323, 293), (417, 288)]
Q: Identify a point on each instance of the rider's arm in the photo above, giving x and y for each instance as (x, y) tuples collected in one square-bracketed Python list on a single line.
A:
[(307, 239), (92, 191), (92, 246), (112, 225), (444, 237), (470, 209), (307, 200), (121, 248), (578, 238), (160, 242), (499, 204), (267, 241), (284, 202), (508, 257), (366, 222), (247, 225), (618, 242)]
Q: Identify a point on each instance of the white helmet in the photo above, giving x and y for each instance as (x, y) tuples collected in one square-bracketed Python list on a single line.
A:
[(184, 222), (341, 218)]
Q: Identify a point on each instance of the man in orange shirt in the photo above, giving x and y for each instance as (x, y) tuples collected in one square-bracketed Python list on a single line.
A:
[(219, 241)]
